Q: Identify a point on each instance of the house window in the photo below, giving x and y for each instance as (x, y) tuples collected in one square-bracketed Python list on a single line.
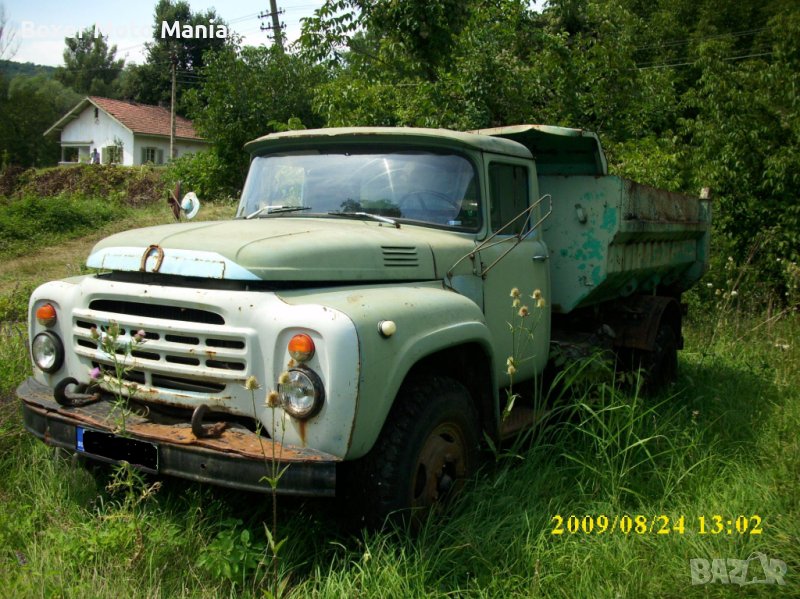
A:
[(152, 155), (112, 155)]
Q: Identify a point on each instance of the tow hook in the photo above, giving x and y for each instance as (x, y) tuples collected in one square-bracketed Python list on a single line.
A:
[(78, 398), (205, 432)]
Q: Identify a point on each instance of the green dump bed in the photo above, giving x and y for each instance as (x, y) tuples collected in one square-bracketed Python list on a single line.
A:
[(610, 237)]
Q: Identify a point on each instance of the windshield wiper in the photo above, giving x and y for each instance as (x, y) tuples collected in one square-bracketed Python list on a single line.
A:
[(276, 210), (367, 215)]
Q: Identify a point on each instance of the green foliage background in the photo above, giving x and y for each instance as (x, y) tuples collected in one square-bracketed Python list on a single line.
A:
[(684, 94)]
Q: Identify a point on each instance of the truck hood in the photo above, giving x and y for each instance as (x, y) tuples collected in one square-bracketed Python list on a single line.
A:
[(285, 249)]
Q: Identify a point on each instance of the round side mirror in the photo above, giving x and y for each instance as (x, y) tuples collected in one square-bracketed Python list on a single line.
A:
[(190, 205)]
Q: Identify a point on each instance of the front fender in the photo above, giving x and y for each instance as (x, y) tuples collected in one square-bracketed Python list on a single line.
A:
[(429, 319)]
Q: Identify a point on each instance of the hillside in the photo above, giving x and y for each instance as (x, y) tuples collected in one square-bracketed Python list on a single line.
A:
[(10, 69)]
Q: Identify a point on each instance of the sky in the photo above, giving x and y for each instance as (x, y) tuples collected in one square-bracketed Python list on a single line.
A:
[(41, 25)]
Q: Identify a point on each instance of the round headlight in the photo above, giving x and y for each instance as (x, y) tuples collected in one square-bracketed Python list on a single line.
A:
[(47, 351), (303, 394)]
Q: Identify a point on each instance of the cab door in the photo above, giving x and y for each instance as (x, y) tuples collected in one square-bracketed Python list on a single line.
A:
[(514, 256)]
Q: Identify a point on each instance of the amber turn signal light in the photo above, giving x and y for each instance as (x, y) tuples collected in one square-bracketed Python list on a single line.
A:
[(46, 315), (301, 347)]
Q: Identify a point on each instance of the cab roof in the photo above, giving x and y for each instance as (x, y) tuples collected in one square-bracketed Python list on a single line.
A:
[(557, 150), (289, 140)]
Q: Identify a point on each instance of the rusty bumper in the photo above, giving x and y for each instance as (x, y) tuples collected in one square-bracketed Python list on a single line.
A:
[(238, 458)]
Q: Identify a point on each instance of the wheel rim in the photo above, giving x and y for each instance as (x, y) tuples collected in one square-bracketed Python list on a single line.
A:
[(441, 465)]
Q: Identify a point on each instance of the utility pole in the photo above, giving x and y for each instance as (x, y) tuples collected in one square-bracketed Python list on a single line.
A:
[(277, 26), (172, 112)]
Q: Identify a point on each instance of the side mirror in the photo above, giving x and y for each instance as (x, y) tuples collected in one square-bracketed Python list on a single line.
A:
[(190, 205)]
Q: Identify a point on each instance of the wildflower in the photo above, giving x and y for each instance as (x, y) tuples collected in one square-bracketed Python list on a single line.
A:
[(734, 293), (718, 292), (510, 361), (523, 311), (292, 363), (283, 379), (537, 294), (139, 336), (511, 370), (251, 384), (540, 303), (94, 333), (515, 293), (516, 303), (709, 285), (273, 399), (95, 373)]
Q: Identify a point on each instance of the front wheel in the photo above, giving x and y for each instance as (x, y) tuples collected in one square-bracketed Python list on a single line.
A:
[(428, 446)]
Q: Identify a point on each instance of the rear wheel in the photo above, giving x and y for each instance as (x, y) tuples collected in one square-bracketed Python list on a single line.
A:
[(659, 366), (428, 446)]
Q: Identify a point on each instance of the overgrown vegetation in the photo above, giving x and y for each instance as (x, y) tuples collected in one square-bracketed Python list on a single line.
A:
[(131, 186), (722, 441), (33, 221), (684, 93)]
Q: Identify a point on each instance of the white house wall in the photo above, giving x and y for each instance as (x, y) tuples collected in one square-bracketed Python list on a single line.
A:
[(100, 132), (181, 146)]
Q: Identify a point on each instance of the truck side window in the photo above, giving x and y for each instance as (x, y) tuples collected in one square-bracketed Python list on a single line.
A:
[(508, 184)]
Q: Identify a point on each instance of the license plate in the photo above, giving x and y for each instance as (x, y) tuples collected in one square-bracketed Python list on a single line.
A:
[(110, 447)]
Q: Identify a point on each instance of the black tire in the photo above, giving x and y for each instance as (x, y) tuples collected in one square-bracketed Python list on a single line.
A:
[(661, 364), (428, 446)]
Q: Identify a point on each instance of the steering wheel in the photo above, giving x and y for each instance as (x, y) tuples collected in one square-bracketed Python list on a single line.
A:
[(422, 194)]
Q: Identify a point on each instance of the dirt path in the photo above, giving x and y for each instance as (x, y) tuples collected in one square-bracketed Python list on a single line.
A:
[(69, 257)]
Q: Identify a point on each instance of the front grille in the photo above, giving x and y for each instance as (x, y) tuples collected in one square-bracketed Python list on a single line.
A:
[(176, 355), (128, 308)]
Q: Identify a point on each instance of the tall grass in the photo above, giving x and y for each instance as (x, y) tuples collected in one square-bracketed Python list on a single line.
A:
[(723, 440)]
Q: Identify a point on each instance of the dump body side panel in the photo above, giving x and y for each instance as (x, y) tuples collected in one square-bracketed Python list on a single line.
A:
[(611, 238)]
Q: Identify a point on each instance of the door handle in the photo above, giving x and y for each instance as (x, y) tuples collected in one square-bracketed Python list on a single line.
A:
[(539, 258)]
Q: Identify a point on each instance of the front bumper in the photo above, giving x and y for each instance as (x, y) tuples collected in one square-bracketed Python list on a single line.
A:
[(238, 458)]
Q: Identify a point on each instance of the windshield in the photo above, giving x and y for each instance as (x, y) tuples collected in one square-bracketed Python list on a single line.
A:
[(433, 188)]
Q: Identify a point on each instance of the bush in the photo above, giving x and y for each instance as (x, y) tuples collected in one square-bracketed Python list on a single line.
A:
[(203, 173), (34, 221), (134, 186)]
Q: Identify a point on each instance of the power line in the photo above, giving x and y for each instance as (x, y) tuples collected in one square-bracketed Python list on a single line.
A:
[(683, 64), (701, 38)]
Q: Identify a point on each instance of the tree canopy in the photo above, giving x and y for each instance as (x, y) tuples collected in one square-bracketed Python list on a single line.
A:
[(90, 65), (684, 93)]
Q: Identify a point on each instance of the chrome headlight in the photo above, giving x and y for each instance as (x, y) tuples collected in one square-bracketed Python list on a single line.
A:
[(47, 351), (303, 394)]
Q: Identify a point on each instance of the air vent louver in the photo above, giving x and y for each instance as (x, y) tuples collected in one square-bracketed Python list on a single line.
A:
[(400, 256)]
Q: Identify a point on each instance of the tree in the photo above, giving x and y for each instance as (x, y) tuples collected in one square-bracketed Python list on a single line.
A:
[(248, 92), (151, 83), (8, 42), (29, 106), (90, 66)]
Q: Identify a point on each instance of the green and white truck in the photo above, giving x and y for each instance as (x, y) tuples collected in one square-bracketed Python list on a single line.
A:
[(364, 284)]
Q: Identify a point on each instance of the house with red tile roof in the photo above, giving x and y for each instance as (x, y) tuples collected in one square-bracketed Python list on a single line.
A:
[(122, 132)]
